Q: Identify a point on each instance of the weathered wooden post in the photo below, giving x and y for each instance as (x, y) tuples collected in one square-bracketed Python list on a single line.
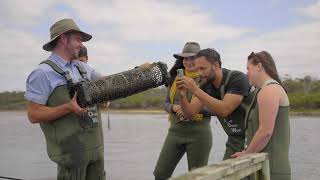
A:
[(265, 170), (232, 169)]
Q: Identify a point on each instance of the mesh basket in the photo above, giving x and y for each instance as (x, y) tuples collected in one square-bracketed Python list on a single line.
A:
[(121, 85)]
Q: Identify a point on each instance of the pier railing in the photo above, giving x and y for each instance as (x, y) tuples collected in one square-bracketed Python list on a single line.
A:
[(236, 168)]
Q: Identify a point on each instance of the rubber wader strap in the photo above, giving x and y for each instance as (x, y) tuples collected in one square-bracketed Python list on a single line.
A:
[(222, 87), (82, 72), (252, 97), (56, 68)]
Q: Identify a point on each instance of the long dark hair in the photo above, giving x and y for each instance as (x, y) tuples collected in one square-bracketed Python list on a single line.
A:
[(178, 64), (267, 63)]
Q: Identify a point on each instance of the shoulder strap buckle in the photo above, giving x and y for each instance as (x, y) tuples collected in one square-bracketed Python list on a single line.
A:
[(63, 73), (82, 71)]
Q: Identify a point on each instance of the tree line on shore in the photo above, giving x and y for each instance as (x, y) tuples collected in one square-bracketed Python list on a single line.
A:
[(304, 95)]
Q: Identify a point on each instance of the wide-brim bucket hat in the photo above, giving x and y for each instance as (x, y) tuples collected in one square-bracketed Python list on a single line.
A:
[(63, 26), (190, 49)]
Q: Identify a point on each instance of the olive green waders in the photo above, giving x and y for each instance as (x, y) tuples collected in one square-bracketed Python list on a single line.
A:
[(278, 145), (74, 143), (176, 145), (192, 137), (233, 124)]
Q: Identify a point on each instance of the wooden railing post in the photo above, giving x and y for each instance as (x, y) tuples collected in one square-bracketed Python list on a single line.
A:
[(265, 171)]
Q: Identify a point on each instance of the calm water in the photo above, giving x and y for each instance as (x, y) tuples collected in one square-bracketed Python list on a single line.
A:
[(132, 146)]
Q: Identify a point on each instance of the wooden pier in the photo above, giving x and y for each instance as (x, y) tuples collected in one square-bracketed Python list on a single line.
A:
[(232, 169)]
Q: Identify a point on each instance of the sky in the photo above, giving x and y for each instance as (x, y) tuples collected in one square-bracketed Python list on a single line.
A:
[(128, 33)]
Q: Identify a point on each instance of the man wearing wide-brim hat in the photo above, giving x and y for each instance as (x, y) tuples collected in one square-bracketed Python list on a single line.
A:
[(74, 139), (61, 27)]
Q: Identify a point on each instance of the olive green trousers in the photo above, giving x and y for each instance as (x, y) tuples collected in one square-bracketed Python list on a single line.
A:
[(174, 147), (91, 167)]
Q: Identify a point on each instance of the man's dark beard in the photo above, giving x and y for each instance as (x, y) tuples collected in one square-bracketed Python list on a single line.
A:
[(204, 83)]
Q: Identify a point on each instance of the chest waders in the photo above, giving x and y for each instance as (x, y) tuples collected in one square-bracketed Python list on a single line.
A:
[(74, 143), (192, 137), (278, 145), (234, 125), (192, 128)]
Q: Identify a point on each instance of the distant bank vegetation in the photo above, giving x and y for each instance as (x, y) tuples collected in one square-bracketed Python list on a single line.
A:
[(304, 95)]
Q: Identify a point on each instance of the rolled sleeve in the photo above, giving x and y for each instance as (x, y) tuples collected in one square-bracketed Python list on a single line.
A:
[(238, 84), (37, 87)]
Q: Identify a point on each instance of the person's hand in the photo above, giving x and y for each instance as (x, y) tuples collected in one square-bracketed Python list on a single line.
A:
[(74, 107), (177, 109), (104, 105), (186, 83), (238, 154), (180, 90)]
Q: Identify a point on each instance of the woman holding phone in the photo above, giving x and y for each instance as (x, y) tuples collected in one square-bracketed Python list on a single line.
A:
[(190, 136)]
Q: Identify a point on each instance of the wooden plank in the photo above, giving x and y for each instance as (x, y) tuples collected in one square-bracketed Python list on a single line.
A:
[(235, 168), (244, 172)]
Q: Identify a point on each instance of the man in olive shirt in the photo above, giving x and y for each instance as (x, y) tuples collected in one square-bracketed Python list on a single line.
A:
[(222, 92)]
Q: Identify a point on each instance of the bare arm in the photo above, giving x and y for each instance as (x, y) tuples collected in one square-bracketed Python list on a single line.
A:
[(268, 103), (40, 113), (220, 107), (189, 110)]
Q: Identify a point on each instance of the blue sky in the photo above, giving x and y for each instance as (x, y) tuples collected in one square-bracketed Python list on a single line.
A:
[(128, 33), (263, 15)]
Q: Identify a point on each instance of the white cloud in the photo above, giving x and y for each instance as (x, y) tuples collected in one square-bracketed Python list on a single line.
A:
[(117, 25), (107, 57), (24, 13), (293, 48), (151, 20), (19, 54), (312, 10)]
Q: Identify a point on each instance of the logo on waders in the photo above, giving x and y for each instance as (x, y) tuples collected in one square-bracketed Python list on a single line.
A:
[(234, 127), (90, 118)]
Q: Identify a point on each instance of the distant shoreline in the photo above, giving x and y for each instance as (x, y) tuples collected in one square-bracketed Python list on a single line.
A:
[(301, 113), (135, 111), (160, 111)]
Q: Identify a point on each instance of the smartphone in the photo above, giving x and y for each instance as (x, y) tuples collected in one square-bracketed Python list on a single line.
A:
[(180, 72)]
